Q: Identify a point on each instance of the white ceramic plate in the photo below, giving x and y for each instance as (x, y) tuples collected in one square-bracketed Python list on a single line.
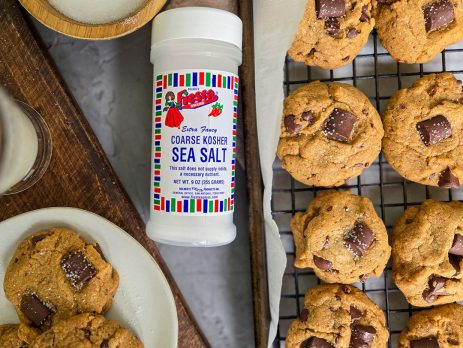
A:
[(144, 302)]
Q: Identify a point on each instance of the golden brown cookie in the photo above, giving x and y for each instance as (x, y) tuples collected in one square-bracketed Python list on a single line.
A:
[(427, 251), (415, 31), (16, 336), (423, 126), (338, 316), (440, 327), (55, 274), (332, 32), (87, 331), (330, 132), (341, 237)]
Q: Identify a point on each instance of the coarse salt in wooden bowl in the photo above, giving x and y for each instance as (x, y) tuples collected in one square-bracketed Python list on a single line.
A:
[(45, 13)]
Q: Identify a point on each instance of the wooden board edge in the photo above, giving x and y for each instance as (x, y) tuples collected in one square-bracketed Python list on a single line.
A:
[(254, 180), (87, 134)]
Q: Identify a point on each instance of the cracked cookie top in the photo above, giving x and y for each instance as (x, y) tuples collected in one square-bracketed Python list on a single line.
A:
[(427, 252), (87, 330), (338, 316), (16, 336), (424, 131), (440, 327), (332, 32), (415, 31), (341, 237), (330, 132), (55, 274)]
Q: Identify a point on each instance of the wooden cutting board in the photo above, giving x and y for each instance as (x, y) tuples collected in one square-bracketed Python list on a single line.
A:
[(79, 175)]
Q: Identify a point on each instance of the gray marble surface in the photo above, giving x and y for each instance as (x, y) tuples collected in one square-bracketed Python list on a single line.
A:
[(112, 83)]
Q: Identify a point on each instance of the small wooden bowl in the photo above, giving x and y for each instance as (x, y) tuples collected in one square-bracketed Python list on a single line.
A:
[(45, 13)]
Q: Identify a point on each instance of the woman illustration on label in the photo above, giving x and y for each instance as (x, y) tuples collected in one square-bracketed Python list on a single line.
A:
[(174, 117)]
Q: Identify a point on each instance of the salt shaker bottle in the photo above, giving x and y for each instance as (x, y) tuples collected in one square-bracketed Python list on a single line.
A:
[(196, 52)]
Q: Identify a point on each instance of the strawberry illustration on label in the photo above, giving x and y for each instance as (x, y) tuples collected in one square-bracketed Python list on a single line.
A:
[(216, 110)]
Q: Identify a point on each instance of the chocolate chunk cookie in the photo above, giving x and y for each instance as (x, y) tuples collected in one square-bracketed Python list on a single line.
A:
[(56, 274), (416, 31), (424, 131), (427, 250), (330, 132), (341, 237), (440, 327), (338, 316), (16, 336), (89, 331), (332, 32)]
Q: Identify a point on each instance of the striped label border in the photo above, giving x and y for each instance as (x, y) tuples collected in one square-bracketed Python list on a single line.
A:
[(191, 79)]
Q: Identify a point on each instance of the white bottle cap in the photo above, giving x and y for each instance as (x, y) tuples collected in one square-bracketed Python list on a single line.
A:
[(197, 23)]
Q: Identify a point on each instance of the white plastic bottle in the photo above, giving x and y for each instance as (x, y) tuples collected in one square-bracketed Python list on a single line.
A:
[(196, 52)]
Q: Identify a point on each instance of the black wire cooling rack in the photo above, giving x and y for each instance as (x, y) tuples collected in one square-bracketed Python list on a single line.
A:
[(378, 76)]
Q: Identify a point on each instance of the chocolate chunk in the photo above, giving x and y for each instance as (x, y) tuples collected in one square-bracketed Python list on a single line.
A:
[(315, 342), (351, 33), (304, 315), (98, 249), (77, 269), (308, 116), (87, 333), (359, 239), (323, 264), (431, 294), (35, 310), (362, 336), (39, 238), (355, 314), (434, 130), (364, 17), (456, 253), (457, 246), (104, 344), (330, 8), (291, 125), (339, 125), (425, 343), (438, 15), (437, 283), (346, 289), (332, 26), (364, 277), (455, 262), (448, 180)]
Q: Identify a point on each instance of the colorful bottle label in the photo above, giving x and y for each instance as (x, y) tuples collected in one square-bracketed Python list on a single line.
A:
[(194, 142)]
